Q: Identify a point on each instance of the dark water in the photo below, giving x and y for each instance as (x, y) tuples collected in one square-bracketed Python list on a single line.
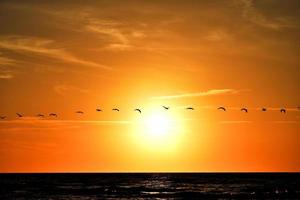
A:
[(151, 186)]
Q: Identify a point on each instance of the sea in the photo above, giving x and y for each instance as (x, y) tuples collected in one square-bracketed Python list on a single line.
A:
[(84, 186)]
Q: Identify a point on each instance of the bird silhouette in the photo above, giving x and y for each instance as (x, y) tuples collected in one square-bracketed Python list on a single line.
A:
[(79, 112), (98, 110), (53, 115), (222, 108), (115, 109), (245, 110), (138, 110), (264, 109), (190, 108), (19, 115), (298, 107), (165, 107), (2, 117), (282, 110), (40, 115)]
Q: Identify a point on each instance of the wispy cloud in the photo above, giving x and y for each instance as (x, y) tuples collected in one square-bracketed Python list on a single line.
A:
[(216, 36), (35, 124), (64, 89), (34, 120), (6, 76), (285, 122), (199, 94), (107, 28), (253, 15), (27, 145), (6, 61), (43, 47), (235, 122), (118, 37), (19, 129)]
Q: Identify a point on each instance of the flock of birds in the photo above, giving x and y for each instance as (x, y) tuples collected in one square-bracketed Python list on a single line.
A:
[(19, 115)]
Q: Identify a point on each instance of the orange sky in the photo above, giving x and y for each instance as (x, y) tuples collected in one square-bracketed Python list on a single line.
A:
[(66, 56)]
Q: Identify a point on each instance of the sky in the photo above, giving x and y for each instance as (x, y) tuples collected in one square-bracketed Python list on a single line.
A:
[(67, 56)]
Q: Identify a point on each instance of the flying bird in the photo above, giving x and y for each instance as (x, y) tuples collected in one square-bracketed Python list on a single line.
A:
[(53, 115), (138, 110), (2, 117), (222, 108), (190, 108), (165, 107), (282, 110), (115, 109), (40, 115), (245, 110), (98, 110), (79, 112), (299, 108), (19, 115), (264, 109)]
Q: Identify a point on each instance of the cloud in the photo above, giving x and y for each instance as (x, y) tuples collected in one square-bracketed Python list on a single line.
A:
[(64, 89), (199, 94), (5, 73), (285, 122), (235, 122), (254, 16), (114, 34), (27, 145), (6, 76), (6, 61), (216, 36), (35, 124), (20, 129), (107, 28), (36, 120), (119, 36), (43, 47)]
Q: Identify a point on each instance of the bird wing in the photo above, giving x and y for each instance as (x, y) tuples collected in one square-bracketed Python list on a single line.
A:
[(244, 109)]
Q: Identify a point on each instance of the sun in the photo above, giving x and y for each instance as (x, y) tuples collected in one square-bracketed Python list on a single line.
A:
[(158, 126), (158, 131)]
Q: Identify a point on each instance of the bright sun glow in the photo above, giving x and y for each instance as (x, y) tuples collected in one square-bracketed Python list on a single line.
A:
[(158, 126), (159, 131)]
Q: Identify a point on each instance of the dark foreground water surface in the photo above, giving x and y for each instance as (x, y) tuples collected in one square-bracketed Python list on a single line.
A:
[(151, 186)]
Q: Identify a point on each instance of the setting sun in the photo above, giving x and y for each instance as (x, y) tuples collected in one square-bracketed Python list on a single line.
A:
[(158, 131), (158, 126)]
